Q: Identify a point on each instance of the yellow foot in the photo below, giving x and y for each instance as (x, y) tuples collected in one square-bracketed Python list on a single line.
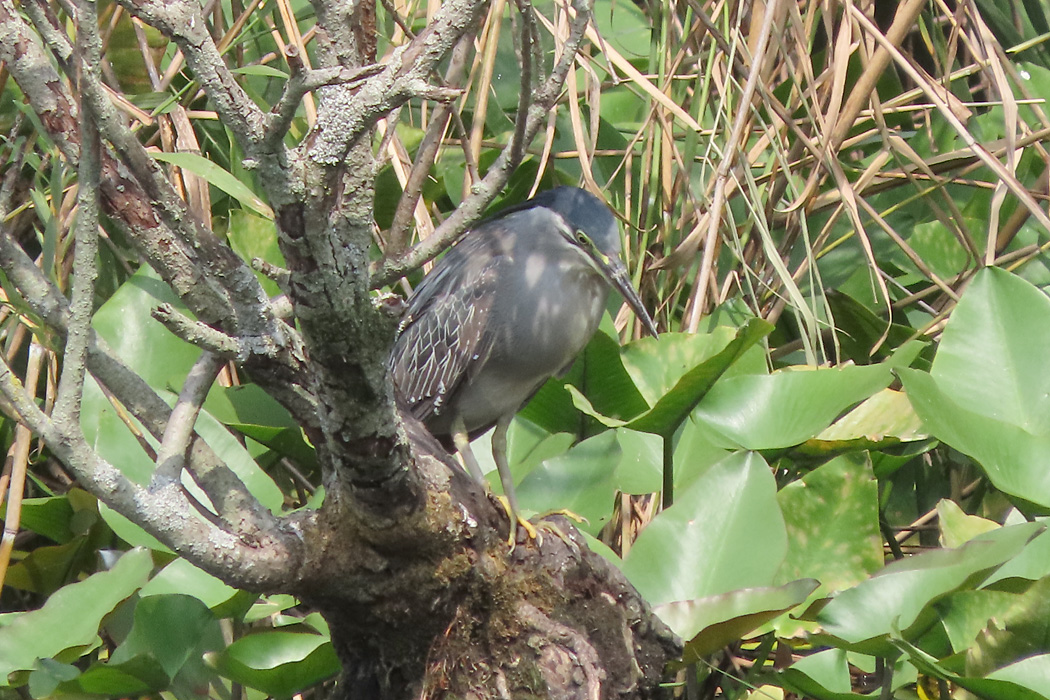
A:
[(568, 514), (515, 521), (545, 524)]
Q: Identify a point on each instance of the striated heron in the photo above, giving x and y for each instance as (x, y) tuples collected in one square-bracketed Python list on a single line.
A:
[(507, 308)]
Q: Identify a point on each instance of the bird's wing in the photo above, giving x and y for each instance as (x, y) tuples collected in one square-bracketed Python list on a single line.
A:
[(445, 330)]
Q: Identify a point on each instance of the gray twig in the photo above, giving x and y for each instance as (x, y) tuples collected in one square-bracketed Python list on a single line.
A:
[(178, 433), (200, 334), (397, 238), (85, 270), (268, 559), (486, 190)]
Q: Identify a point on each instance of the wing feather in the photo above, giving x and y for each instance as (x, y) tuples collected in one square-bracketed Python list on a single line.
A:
[(445, 331)]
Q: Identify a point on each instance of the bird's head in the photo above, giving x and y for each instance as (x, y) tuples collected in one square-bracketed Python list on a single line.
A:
[(589, 225)]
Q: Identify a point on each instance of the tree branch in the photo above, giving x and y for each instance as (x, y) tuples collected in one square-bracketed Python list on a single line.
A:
[(183, 22), (234, 503), (300, 83), (85, 270), (201, 269), (268, 560), (200, 334), (343, 117), (178, 433), (496, 178), (397, 238)]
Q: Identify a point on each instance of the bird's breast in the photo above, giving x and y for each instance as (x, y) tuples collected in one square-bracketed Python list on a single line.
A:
[(554, 316)]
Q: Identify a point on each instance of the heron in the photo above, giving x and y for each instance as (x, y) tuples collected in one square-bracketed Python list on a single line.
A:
[(505, 309)]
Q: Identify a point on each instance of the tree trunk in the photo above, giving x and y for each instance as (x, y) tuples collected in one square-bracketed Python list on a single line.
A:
[(441, 607)]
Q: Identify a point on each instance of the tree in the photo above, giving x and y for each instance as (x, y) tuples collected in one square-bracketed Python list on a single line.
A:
[(405, 559)]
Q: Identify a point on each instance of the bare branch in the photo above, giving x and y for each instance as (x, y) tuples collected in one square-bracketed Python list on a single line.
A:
[(496, 178), (178, 434), (397, 239), (183, 22), (202, 270), (200, 334), (234, 503), (344, 117), (269, 560), (278, 274), (300, 83), (123, 198), (45, 21), (85, 270)]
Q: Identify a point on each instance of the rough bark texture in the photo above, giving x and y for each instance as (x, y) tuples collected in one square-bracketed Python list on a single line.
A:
[(439, 607)]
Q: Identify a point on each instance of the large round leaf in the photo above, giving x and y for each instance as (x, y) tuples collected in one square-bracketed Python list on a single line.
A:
[(832, 516), (759, 412), (586, 478), (724, 532), (1016, 461), (893, 599), (278, 662), (71, 617), (992, 358)]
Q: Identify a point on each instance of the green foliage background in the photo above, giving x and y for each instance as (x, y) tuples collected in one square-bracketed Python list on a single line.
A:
[(848, 416)]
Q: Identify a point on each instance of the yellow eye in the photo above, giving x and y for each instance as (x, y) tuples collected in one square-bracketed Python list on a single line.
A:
[(582, 238)]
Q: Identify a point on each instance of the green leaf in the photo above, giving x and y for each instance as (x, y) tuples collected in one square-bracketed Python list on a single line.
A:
[(129, 531), (692, 549), (1031, 674), (832, 518), (49, 517), (823, 676), (783, 409), (712, 622), (1016, 461), (858, 329), (1022, 630), (47, 676), (166, 629), (182, 577), (895, 598), (958, 528), (252, 237), (965, 614), (657, 365), (217, 177), (1031, 564), (279, 663), (46, 569), (992, 357), (264, 71), (1024, 680), (585, 479), (605, 380), (136, 676), (597, 373), (887, 418), (70, 619), (671, 409)]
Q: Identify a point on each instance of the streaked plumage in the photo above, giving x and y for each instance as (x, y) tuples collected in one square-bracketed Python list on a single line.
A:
[(505, 309)]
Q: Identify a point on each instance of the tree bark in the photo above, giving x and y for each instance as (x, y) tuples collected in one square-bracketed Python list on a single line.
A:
[(440, 607)]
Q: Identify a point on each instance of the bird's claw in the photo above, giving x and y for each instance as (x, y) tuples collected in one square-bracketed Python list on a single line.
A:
[(516, 520), (569, 514)]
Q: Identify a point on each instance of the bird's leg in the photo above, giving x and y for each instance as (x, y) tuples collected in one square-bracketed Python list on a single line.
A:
[(499, 453), (461, 439)]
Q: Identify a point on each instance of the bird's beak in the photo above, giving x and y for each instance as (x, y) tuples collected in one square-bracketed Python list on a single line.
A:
[(616, 273)]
